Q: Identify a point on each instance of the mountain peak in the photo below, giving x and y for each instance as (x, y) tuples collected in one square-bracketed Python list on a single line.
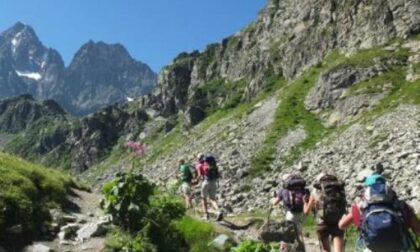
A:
[(20, 29), (101, 46)]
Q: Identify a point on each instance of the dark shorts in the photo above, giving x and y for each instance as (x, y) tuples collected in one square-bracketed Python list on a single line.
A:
[(328, 230)]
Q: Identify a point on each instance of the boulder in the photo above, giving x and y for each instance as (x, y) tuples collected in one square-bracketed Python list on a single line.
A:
[(285, 231), (37, 248), (221, 242), (68, 232), (92, 229)]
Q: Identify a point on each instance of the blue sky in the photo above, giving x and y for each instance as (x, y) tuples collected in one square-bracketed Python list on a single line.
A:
[(153, 31)]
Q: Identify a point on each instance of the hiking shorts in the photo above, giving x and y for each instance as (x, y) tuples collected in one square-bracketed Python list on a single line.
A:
[(209, 189), (328, 230), (296, 218), (186, 188)]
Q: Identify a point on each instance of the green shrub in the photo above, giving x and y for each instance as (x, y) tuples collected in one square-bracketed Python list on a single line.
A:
[(26, 193), (126, 198), (146, 216), (197, 234), (253, 246), (120, 241)]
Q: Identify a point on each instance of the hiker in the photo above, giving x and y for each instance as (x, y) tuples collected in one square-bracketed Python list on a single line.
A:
[(292, 197), (186, 177), (328, 199), (208, 173), (381, 218)]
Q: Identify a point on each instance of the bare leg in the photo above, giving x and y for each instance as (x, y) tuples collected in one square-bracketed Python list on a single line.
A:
[(338, 244), (214, 204), (188, 201), (325, 243), (204, 204)]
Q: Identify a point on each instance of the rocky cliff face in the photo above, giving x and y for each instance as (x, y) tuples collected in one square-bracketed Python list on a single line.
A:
[(99, 75), (287, 37)]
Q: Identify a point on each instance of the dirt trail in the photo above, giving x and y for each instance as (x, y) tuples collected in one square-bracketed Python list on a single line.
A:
[(85, 206)]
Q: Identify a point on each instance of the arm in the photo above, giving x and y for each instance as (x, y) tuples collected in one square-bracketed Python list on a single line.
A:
[(307, 206), (276, 201), (177, 173), (345, 221), (413, 221)]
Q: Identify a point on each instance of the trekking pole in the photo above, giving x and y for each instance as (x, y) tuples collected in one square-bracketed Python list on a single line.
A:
[(345, 240)]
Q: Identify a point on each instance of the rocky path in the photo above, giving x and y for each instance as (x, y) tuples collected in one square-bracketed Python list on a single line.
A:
[(81, 226)]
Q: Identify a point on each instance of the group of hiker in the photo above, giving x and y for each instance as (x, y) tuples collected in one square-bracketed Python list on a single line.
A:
[(382, 219), (207, 172)]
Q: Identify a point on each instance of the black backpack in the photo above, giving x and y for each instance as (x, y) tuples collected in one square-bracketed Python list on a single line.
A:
[(332, 205)]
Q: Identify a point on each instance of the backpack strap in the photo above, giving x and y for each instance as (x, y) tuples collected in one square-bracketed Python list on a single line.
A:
[(378, 210), (357, 218)]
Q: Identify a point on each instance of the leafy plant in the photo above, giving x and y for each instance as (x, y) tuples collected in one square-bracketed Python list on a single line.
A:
[(144, 214), (126, 198), (253, 246)]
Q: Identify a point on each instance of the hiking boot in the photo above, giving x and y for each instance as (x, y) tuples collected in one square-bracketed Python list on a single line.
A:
[(219, 216), (205, 217)]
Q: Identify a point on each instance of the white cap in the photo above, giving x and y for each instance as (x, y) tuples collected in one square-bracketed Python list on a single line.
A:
[(285, 176)]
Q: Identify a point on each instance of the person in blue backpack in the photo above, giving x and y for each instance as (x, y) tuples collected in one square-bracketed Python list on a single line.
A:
[(381, 218), (208, 172)]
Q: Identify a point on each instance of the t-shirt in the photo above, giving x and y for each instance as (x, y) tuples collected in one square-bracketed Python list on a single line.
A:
[(201, 167), (186, 173)]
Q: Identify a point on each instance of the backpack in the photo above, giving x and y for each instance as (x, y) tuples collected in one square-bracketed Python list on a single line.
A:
[(382, 225), (211, 171), (332, 205), (186, 173), (293, 193)]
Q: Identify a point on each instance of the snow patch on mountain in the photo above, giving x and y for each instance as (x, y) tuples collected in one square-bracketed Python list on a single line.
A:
[(16, 41), (30, 75)]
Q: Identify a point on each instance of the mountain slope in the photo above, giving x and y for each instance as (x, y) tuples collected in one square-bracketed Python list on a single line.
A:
[(287, 38), (303, 81), (43, 132), (370, 118), (27, 191)]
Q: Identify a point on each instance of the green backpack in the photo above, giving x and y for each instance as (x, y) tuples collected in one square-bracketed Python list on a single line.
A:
[(186, 173)]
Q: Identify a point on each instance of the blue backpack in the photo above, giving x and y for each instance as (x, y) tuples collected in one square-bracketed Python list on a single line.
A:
[(213, 171), (382, 226)]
